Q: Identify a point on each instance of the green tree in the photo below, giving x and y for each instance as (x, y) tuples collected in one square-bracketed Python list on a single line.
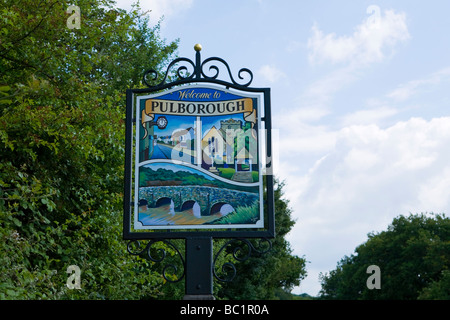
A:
[(62, 106), (61, 148), (439, 289), (413, 256), (273, 274)]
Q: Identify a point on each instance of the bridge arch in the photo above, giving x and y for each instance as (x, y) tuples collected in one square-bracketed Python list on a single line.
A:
[(194, 206), (164, 201), (221, 208), (143, 203), (189, 204)]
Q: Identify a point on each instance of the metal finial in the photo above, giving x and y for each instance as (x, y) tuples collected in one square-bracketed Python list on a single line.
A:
[(198, 47)]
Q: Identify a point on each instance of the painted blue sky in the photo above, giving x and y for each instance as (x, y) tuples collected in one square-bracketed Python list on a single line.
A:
[(209, 122), (175, 123), (360, 105)]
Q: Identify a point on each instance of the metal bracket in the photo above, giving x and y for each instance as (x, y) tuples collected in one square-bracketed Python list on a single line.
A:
[(198, 264)]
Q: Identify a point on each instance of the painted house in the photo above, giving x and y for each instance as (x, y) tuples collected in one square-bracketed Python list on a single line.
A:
[(184, 137), (229, 145), (213, 147), (165, 139)]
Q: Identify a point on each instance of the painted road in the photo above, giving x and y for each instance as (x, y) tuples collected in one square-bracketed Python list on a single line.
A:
[(161, 151)]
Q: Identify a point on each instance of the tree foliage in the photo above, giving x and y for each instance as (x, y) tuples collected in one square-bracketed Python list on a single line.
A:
[(62, 107), (271, 275), (61, 130), (413, 256)]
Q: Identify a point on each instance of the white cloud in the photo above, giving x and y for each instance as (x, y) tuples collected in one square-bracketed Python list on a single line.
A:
[(369, 116), (434, 192), (368, 157), (407, 90), (159, 8), (298, 137), (300, 115), (315, 100), (377, 110), (321, 91), (368, 177), (368, 43), (271, 73)]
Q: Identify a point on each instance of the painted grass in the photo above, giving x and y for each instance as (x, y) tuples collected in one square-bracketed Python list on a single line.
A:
[(229, 172), (242, 215), (226, 172)]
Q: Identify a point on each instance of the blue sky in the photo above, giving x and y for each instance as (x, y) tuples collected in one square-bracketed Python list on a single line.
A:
[(360, 102), (175, 123)]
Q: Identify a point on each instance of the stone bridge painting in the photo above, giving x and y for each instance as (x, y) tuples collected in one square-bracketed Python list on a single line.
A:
[(174, 195)]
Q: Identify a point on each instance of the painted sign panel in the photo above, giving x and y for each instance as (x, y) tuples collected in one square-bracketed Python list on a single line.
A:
[(197, 161)]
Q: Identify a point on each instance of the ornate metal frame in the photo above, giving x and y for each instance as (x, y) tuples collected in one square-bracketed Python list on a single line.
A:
[(195, 72), (238, 253), (145, 252), (197, 75), (235, 254)]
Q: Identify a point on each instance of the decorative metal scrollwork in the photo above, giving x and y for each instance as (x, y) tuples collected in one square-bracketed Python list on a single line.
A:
[(216, 69), (134, 248), (191, 70), (179, 72), (240, 254)]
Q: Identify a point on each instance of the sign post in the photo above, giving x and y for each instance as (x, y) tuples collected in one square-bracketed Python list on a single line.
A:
[(198, 165), (199, 275)]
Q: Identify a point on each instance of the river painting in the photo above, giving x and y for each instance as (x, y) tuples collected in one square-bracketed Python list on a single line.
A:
[(166, 215), (177, 195)]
